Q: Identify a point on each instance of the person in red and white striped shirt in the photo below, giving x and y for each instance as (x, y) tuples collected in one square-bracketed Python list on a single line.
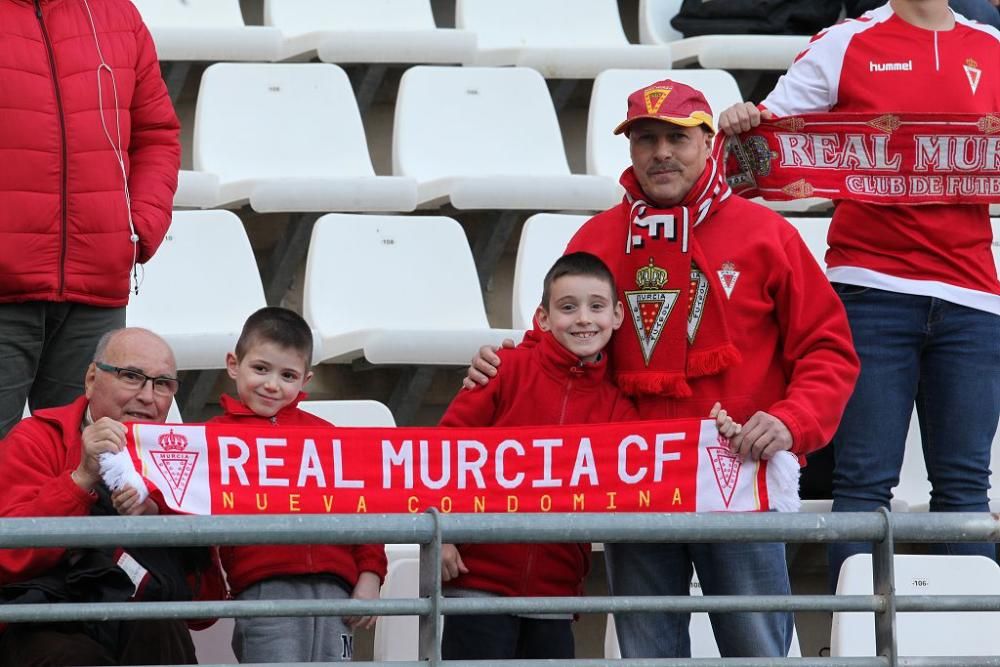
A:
[(919, 282)]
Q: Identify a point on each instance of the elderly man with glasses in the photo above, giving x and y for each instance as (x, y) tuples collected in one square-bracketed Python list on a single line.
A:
[(49, 467)]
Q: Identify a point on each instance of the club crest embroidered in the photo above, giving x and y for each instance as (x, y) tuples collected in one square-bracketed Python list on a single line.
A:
[(650, 306), (972, 73), (696, 303), (728, 275), (726, 467), (655, 97), (174, 463), (989, 124), (887, 123)]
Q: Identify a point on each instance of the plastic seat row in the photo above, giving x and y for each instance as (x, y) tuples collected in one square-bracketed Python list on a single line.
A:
[(392, 289), (559, 40), (289, 138)]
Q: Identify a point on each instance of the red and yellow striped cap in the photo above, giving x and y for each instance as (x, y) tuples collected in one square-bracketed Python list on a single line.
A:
[(669, 101)]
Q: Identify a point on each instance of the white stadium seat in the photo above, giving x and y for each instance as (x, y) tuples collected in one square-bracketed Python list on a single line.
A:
[(758, 52), (543, 240), (700, 631), (213, 645), (199, 288), (350, 413), (367, 31), (288, 137), (608, 153), (396, 290), (559, 40), (487, 138), (209, 30), (995, 222), (196, 189), (397, 637), (921, 633), (814, 232)]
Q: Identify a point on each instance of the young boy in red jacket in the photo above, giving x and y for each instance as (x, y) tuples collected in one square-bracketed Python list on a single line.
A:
[(270, 366), (561, 380)]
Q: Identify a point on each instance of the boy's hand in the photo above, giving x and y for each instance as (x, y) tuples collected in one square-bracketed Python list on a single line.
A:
[(367, 588), (484, 365), (762, 437), (451, 562), (727, 427), (742, 117), (126, 502)]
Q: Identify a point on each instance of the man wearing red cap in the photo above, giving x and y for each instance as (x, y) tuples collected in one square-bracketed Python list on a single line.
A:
[(919, 282), (714, 314)]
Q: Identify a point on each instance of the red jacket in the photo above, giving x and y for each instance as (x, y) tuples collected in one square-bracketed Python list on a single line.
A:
[(246, 565), (544, 384), (36, 460), (798, 363), (64, 231)]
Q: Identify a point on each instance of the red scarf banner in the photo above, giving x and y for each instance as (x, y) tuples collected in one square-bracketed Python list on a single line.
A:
[(885, 159), (653, 466), (662, 270)]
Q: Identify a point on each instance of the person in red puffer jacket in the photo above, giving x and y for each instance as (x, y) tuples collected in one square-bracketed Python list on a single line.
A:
[(90, 152), (561, 380), (270, 367)]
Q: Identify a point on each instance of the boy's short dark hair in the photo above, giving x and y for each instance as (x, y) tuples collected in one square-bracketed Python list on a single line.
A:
[(285, 328), (577, 264)]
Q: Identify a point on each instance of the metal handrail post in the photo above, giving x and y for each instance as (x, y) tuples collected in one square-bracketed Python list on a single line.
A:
[(430, 587), (884, 583)]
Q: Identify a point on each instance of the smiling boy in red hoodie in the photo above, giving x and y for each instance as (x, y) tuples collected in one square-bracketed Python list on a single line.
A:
[(270, 367), (561, 380)]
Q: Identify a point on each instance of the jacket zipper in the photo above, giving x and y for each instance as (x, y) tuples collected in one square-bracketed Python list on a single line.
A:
[(577, 369), (308, 548), (532, 548), (63, 157)]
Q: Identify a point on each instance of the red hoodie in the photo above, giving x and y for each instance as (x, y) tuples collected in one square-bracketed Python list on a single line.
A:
[(798, 362), (246, 565), (536, 386)]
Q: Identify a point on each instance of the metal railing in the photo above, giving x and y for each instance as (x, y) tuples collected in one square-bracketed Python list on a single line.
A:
[(431, 529)]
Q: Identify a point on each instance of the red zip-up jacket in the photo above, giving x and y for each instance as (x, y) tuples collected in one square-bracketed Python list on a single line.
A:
[(536, 386), (246, 565), (64, 229)]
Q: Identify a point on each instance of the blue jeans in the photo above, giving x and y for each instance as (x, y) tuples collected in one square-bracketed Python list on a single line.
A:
[(944, 357), (723, 569)]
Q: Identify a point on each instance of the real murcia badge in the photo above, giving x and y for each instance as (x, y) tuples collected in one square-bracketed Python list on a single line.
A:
[(650, 306), (654, 98), (972, 73), (174, 463), (728, 275), (726, 467)]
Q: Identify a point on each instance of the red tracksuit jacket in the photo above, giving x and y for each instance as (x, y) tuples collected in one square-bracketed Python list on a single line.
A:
[(246, 565), (544, 384)]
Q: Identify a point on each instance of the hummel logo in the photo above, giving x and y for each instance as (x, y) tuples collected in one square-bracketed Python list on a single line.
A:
[(890, 67)]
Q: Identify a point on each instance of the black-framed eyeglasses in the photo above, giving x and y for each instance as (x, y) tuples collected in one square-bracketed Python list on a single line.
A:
[(163, 385)]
